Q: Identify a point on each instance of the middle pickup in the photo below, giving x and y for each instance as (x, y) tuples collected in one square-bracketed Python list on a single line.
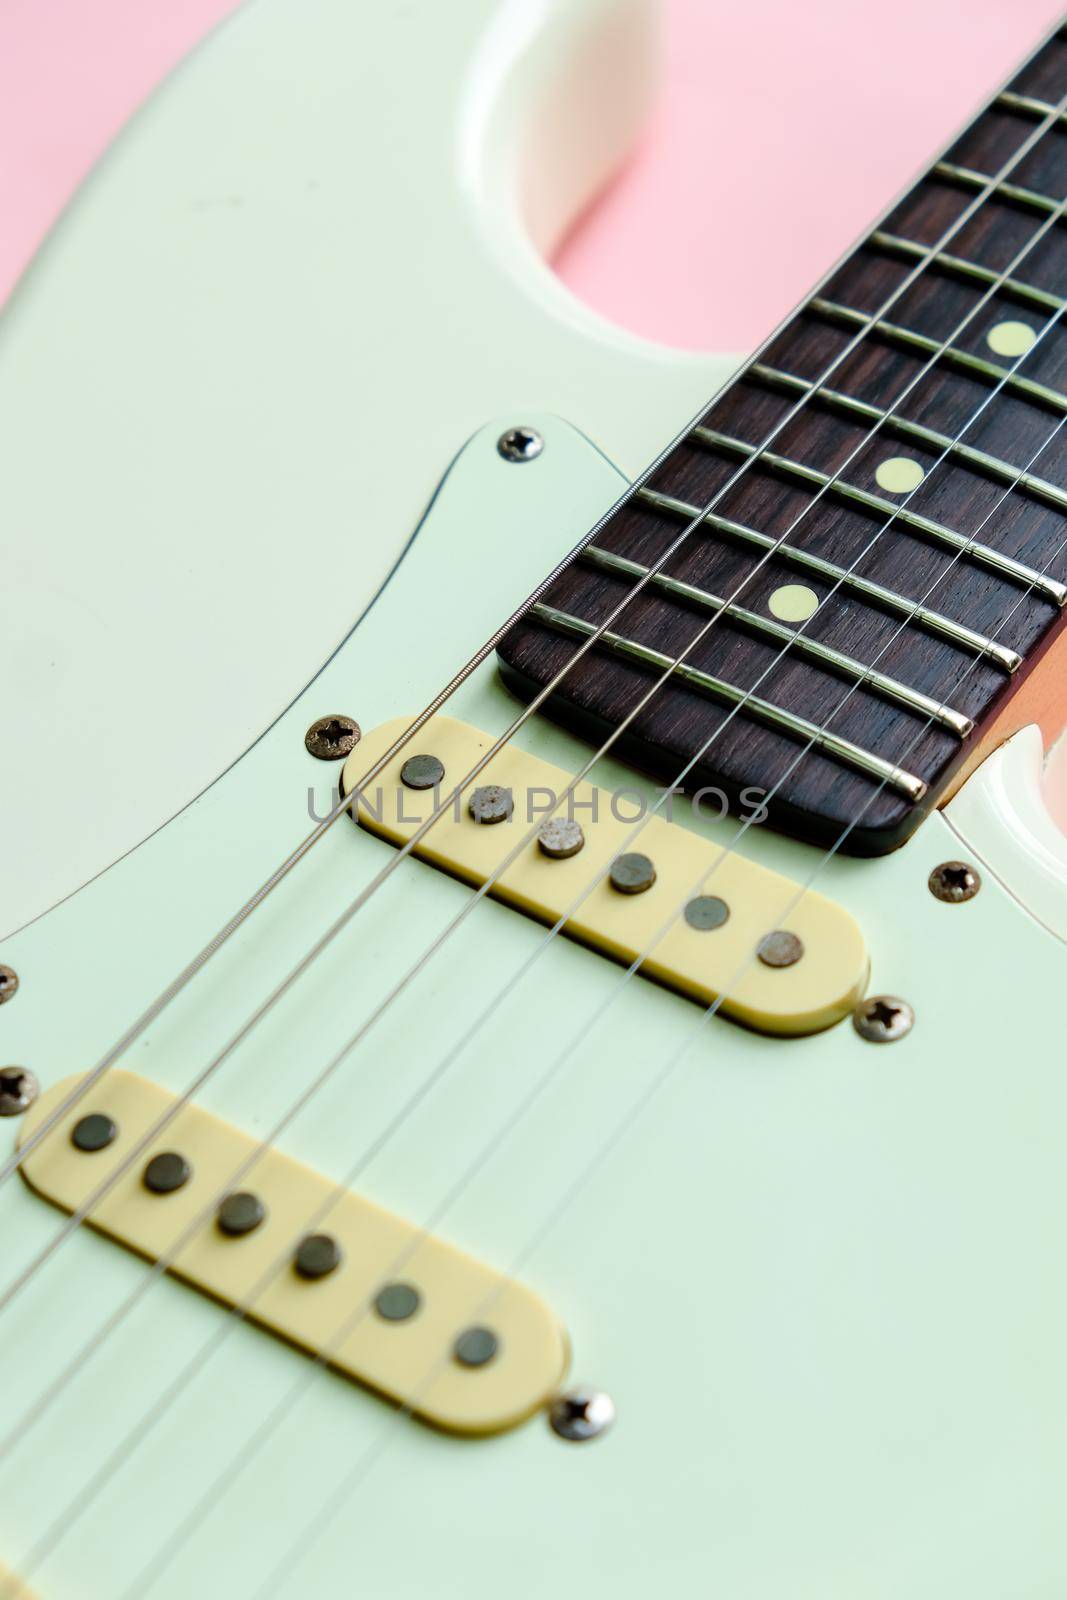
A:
[(695, 916)]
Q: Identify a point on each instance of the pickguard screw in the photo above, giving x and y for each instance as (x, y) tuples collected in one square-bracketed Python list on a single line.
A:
[(330, 738), (881, 1018), (954, 882), (9, 982), (18, 1090), (520, 444), (581, 1414)]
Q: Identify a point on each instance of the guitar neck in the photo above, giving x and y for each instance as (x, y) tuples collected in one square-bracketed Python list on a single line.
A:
[(848, 567)]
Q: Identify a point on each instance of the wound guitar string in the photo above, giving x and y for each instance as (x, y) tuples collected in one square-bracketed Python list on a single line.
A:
[(926, 256), (959, 555)]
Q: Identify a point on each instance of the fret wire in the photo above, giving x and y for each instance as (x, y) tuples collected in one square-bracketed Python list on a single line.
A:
[(991, 466), (975, 366), (1027, 106), (898, 605), (956, 267), (1006, 566), (760, 710), (967, 178), (802, 643)]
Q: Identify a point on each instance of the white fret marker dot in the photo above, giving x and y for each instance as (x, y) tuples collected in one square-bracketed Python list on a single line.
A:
[(1011, 339), (793, 602), (899, 475)]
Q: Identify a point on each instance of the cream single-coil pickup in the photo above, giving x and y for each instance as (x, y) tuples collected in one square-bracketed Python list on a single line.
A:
[(701, 919), (462, 1345)]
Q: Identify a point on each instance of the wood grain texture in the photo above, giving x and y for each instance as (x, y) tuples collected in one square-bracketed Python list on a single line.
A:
[(812, 794)]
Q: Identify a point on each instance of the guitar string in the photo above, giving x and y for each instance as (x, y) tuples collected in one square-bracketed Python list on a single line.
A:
[(302, 1100), (390, 1429), (71, 1223), (200, 1360), (789, 530), (198, 962)]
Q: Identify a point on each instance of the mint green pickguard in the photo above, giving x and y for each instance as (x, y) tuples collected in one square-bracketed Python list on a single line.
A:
[(823, 1281)]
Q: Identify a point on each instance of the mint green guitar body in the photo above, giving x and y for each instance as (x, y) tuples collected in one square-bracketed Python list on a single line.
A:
[(822, 1280)]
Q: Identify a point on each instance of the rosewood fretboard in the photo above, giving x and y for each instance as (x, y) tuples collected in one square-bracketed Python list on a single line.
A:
[(933, 604)]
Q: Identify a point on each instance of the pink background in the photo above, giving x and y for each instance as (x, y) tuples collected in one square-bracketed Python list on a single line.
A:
[(782, 130)]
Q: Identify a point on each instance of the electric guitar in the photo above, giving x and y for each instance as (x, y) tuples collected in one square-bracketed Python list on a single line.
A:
[(576, 1106)]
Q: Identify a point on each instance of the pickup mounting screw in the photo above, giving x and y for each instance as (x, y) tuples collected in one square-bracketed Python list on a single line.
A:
[(9, 982), (581, 1414), (330, 738), (18, 1091), (881, 1018), (954, 882), (520, 444)]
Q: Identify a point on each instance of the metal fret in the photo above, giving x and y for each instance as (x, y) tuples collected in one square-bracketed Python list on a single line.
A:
[(1027, 106), (956, 267), (975, 366), (1029, 199), (764, 711), (938, 532), (835, 660), (990, 466), (897, 605)]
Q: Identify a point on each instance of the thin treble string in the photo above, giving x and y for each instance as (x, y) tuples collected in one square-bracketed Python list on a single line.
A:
[(984, 298), (117, 1317), (206, 1352), (209, 950), (328, 1511)]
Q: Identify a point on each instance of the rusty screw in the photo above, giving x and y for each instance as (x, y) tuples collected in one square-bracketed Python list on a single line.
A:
[(18, 1090), (954, 882), (9, 982), (332, 737), (881, 1018)]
